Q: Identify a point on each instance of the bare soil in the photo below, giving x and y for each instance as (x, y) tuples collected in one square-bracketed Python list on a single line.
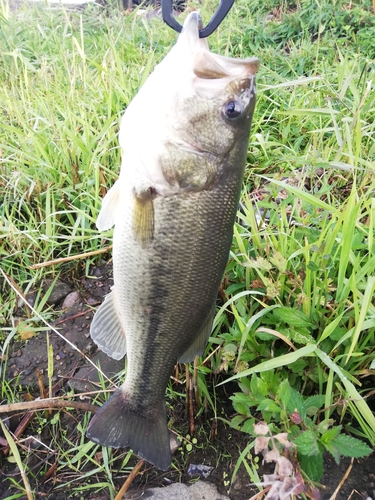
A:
[(218, 445)]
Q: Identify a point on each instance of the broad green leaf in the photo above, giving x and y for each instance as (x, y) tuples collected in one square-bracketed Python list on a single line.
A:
[(269, 405), (283, 393), (300, 337), (324, 425), (351, 447), (241, 408), (248, 426), (296, 402), (312, 466), (237, 421), (331, 434), (330, 446), (293, 317), (307, 443), (313, 404)]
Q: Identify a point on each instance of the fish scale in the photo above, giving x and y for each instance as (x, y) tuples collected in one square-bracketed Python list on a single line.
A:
[(173, 208)]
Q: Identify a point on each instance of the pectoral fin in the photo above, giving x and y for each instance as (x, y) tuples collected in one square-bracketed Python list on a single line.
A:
[(106, 218), (143, 217), (106, 328), (199, 343)]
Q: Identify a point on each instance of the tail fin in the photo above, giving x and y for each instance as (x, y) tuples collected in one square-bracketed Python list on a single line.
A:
[(118, 424)]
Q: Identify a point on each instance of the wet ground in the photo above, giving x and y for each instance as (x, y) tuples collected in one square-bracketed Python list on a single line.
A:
[(218, 446)]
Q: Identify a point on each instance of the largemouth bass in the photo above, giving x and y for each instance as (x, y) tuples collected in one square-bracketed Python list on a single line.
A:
[(184, 139)]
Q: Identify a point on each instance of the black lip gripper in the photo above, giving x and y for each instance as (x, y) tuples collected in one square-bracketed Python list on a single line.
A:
[(217, 18)]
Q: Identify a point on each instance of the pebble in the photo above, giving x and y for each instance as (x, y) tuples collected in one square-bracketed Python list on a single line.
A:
[(59, 292), (177, 491), (70, 300)]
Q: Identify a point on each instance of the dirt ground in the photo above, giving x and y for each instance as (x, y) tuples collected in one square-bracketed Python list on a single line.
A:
[(219, 446)]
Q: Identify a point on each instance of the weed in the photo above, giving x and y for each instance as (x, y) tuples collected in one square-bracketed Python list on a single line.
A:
[(296, 325)]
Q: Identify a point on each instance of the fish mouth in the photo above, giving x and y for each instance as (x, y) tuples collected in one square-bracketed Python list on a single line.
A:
[(190, 32), (193, 23)]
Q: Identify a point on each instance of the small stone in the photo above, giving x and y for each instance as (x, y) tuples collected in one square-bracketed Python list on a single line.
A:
[(59, 292), (28, 372), (236, 484), (70, 300), (57, 357)]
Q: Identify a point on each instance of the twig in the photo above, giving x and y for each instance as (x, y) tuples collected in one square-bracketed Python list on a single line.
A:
[(187, 385), (276, 334), (69, 318), (191, 407), (198, 401), (49, 473), (43, 404), (344, 478), (41, 384), (71, 257), (260, 494), (124, 488)]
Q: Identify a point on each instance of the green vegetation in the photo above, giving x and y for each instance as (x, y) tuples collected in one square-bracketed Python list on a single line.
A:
[(297, 324)]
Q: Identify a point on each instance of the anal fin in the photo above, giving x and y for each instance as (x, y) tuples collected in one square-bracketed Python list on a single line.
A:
[(106, 328), (200, 341)]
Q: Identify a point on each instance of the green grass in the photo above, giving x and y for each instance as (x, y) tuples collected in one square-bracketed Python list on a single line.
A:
[(299, 284)]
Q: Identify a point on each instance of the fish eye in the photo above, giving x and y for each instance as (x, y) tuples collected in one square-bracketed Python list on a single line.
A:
[(232, 109)]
